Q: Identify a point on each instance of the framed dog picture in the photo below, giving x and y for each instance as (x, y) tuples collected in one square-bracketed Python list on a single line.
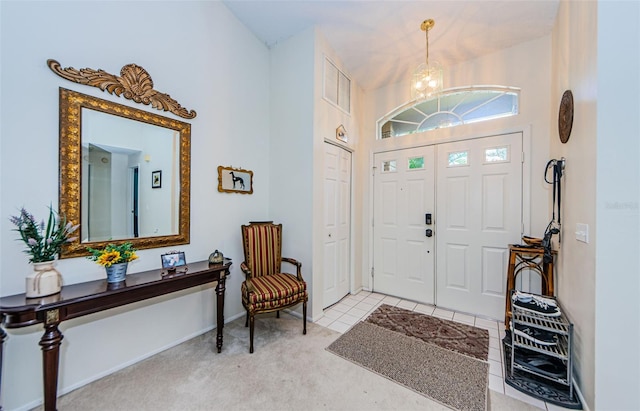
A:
[(235, 180)]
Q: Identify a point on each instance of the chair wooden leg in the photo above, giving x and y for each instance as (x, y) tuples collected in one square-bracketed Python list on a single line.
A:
[(246, 321), (278, 314), (304, 318), (251, 323)]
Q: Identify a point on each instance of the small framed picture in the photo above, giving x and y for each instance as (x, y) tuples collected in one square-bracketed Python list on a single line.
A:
[(173, 260), (235, 180), (156, 179)]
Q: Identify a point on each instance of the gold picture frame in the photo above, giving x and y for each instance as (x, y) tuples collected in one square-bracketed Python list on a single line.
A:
[(235, 180), (70, 160)]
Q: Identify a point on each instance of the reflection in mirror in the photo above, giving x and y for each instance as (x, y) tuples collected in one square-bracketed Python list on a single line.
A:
[(108, 155), (119, 200)]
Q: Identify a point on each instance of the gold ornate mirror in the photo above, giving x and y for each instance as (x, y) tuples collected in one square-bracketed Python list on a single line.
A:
[(124, 174)]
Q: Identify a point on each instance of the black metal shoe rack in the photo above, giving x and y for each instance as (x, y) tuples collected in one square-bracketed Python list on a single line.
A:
[(558, 390)]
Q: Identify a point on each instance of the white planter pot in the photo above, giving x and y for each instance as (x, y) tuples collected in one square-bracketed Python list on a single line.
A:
[(44, 280)]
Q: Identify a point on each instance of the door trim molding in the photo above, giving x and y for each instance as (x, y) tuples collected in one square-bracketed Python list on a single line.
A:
[(339, 145)]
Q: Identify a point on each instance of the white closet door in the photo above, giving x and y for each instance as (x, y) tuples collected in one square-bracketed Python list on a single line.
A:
[(337, 223)]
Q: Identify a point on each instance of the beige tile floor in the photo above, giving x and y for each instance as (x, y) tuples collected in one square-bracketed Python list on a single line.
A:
[(353, 308)]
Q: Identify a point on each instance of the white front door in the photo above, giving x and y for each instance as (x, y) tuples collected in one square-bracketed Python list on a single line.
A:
[(479, 192), (403, 263), (337, 223)]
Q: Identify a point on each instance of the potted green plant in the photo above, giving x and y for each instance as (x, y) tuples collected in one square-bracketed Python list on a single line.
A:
[(44, 242), (115, 259)]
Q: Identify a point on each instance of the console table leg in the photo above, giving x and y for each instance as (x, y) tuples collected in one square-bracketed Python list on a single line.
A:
[(50, 344), (220, 288)]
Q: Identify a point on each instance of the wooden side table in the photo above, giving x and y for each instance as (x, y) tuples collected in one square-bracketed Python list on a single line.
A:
[(531, 258)]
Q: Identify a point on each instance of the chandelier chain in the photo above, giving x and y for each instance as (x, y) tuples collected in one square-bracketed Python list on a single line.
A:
[(426, 33)]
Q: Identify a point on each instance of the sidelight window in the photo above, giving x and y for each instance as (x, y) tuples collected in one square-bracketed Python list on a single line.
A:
[(389, 166), (458, 158), (496, 155), (416, 163)]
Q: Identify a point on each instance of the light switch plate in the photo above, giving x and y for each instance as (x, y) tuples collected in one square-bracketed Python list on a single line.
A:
[(582, 232)]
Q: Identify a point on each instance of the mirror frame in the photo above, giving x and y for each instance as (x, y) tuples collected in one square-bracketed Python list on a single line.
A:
[(71, 104)]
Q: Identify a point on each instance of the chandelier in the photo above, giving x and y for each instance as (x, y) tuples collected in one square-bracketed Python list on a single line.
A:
[(427, 78)]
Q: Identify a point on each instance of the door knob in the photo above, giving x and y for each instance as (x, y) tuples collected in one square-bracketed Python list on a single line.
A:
[(429, 232)]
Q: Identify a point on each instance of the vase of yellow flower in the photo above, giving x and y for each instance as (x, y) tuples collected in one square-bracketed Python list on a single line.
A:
[(44, 242), (115, 259), (117, 272)]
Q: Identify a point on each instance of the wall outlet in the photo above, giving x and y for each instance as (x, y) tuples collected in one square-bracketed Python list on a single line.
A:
[(582, 232)]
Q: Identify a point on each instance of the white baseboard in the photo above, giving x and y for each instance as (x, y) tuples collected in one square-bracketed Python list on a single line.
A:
[(585, 406)]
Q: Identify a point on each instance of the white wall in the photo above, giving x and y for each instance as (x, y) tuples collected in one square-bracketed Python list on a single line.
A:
[(525, 66), (301, 121), (617, 260), (574, 68), (598, 281), (291, 155), (204, 58)]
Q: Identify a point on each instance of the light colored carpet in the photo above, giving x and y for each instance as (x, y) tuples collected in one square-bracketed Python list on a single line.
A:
[(288, 371), (444, 375)]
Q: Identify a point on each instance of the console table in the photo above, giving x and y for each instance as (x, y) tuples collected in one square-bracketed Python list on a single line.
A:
[(77, 300)]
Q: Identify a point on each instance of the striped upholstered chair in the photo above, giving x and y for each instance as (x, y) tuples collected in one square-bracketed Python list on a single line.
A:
[(267, 288)]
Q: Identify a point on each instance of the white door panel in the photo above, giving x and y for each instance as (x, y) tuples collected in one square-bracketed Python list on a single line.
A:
[(494, 260), (403, 255), (479, 214), (337, 222)]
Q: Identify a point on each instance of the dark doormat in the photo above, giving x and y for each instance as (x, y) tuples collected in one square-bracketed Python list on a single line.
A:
[(450, 335), (538, 387)]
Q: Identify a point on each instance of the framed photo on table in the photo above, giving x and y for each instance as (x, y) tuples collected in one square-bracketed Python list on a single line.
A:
[(174, 261)]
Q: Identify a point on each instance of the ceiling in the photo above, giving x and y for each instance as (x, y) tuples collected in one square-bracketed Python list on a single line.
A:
[(380, 42)]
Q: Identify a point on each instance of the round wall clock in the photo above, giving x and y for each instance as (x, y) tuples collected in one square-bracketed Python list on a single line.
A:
[(565, 116)]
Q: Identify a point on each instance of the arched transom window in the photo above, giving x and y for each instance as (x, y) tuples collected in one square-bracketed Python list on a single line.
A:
[(450, 108)]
